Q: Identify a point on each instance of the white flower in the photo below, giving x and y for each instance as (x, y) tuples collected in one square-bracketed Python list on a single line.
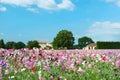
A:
[(23, 69), (113, 63), (96, 61), (39, 63), (10, 77), (83, 62), (39, 73)]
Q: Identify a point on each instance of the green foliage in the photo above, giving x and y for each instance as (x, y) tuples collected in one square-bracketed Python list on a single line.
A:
[(76, 46), (48, 48), (19, 45), (64, 39), (2, 45), (108, 45), (32, 44), (10, 45), (84, 41)]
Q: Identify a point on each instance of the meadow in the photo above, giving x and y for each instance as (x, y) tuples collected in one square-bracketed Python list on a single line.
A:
[(37, 64)]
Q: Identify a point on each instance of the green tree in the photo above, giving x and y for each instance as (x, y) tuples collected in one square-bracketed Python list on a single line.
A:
[(76, 46), (2, 45), (84, 41), (64, 39), (19, 45), (10, 45), (32, 44)]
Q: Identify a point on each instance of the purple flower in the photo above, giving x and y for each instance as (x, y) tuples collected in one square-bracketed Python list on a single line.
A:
[(3, 63)]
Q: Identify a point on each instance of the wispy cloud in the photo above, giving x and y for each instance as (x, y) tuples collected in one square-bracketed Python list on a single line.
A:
[(108, 31), (33, 10), (43, 4), (3, 9), (117, 2)]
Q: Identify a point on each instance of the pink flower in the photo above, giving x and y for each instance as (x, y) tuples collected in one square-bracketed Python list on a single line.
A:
[(78, 61), (90, 65), (69, 62), (118, 63), (51, 77), (7, 71), (41, 78), (104, 58), (80, 70), (46, 68), (63, 68), (28, 64)]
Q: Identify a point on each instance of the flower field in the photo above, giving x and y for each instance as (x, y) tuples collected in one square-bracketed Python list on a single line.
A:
[(39, 64)]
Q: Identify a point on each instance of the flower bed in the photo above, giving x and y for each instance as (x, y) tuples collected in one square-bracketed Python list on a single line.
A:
[(39, 64)]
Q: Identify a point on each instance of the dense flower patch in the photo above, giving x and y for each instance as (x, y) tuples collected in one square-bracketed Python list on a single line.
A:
[(39, 64)]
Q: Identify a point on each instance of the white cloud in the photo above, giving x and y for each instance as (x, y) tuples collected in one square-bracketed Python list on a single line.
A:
[(117, 2), (66, 4), (44, 4), (3, 9), (108, 31)]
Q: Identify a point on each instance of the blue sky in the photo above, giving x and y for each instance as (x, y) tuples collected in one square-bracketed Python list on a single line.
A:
[(24, 20)]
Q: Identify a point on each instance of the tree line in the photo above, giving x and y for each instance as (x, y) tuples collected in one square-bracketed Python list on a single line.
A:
[(18, 45)]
